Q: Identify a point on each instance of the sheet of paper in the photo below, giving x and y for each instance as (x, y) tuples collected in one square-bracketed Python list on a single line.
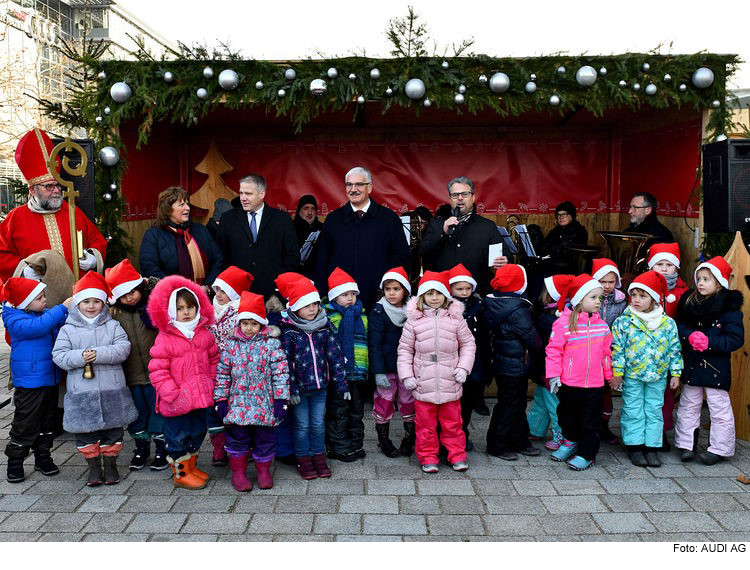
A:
[(406, 222), (496, 250), (306, 249)]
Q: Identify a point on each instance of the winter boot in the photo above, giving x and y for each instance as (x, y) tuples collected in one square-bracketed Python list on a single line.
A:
[(709, 458), (194, 469), (652, 458), (238, 465), (140, 455), (159, 462), (321, 466), (384, 442), (183, 476), (636, 455), (15, 470), (111, 476), (410, 437), (305, 468), (263, 473), (689, 454), (554, 443), (43, 463), (219, 457), (96, 477), (566, 450)]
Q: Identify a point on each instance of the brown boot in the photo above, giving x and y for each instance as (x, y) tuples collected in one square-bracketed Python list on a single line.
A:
[(197, 472), (183, 475), (321, 466), (305, 468)]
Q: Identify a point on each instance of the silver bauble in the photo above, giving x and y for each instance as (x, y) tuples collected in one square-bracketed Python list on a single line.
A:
[(561, 69), (667, 78), (645, 66), (682, 88), (228, 79), (530, 87), (415, 88), (107, 110), (586, 76), (445, 65), (554, 100), (332, 73), (482, 79), (499, 82), (290, 74), (352, 76), (716, 103), (360, 100), (602, 71), (636, 86), (427, 103), (459, 99), (107, 196), (109, 156), (208, 73), (168, 76), (202, 93), (113, 187), (259, 85), (462, 88), (650, 89), (532, 76), (281, 93), (99, 120), (388, 92), (120, 92), (720, 138), (622, 83), (374, 73), (702, 77), (318, 87), (102, 75)]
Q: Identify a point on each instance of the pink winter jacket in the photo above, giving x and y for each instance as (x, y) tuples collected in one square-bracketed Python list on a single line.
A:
[(433, 344), (582, 359), (182, 370)]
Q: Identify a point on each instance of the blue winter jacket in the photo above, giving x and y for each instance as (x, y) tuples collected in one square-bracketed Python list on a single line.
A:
[(32, 337), (382, 338)]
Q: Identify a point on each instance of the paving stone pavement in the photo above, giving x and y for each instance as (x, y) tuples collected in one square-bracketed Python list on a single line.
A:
[(382, 499)]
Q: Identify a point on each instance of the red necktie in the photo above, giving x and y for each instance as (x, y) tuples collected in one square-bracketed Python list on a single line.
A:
[(360, 213)]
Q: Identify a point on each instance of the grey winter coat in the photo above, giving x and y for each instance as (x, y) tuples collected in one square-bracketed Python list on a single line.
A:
[(102, 402)]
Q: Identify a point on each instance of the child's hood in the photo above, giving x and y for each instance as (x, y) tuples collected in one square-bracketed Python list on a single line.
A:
[(455, 309), (158, 302), (75, 317)]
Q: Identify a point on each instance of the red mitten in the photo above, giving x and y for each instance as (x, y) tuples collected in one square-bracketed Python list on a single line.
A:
[(698, 341)]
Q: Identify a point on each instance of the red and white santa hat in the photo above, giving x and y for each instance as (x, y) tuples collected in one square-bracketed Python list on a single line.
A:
[(653, 283), (252, 307), (459, 274), (601, 266), (434, 280), (19, 291), (397, 274), (339, 281), (91, 286), (298, 290), (557, 285), (233, 281), (510, 278), (122, 279), (664, 252), (578, 288), (719, 268)]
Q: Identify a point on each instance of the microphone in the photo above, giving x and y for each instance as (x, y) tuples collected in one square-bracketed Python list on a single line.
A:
[(455, 213)]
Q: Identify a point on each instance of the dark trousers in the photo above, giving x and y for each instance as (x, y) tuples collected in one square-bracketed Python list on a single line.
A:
[(261, 439), (214, 423), (33, 421), (185, 434), (607, 405), (100, 442), (345, 428), (473, 392), (284, 433), (148, 424), (509, 428), (580, 416)]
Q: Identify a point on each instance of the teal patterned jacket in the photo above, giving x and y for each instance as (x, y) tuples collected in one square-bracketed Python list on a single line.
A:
[(642, 354)]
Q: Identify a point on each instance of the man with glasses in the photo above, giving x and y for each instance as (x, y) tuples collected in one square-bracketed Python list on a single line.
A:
[(361, 237), (43, 222), (642, 212)]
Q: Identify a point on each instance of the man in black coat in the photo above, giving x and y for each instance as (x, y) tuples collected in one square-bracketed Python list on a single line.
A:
[(362, 237), (642, 211), (464, 238), (258, 238)]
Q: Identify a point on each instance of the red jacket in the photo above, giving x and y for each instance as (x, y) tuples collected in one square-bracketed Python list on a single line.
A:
[(673, 298)]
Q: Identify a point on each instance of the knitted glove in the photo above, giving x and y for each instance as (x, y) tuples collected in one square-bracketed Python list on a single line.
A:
[(87, 262), (222, 409), (381, 381), (698, 341), (347, 395), (280, 409), (294, 400), (460, 375), (410, 384), (554, 384)]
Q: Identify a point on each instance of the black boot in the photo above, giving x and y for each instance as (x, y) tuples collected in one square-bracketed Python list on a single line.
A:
[(96, 477), (15, 470), (111, 476), (709, 458), (141, 454), (159, 462), (384, 442), (410, 437), (652, 457), (43, 462), (689, 454), (480, 407), (636, 455)]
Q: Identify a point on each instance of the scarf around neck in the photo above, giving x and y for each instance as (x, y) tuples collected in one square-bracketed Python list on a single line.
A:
[(317, 323), (397, 315), (652, 319), (220, 310), (191, 261), (187, 328), (672, 280), (351, 324)]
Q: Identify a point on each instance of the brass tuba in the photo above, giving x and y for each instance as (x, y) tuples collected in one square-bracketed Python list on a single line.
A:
[(628, 250)]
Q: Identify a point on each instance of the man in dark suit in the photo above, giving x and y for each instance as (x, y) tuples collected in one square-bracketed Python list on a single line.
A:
[(258, 238), (361, 237)]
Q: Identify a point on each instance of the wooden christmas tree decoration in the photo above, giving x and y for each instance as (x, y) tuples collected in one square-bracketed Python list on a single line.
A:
[(213, 165)]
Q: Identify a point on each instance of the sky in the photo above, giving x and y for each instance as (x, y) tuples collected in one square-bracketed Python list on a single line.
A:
[(293, 29)]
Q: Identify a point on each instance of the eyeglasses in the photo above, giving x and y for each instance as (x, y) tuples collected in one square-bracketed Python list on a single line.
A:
[(562, 214), (50, 187), (356, 184), (456, 195), (631, 207)]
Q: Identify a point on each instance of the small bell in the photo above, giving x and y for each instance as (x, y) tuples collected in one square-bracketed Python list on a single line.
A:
[(88, 371)]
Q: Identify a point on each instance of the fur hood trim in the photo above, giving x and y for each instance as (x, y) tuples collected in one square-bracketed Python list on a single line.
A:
[(455, 310), (158, 301)]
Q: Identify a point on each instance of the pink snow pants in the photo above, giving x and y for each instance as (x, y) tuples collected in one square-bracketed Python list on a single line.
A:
[(722, 437), (452, 436), (383, 406)]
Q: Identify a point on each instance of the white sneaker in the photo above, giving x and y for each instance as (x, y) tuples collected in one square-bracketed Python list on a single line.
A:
[(430, 468), (460, 466)]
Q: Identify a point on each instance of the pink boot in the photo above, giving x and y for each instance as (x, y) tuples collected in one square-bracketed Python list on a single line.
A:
[(238, 465), (219, 457), (263, 469)]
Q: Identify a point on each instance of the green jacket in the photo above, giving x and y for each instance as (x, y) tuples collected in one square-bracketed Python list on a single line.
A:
[(141, 340)]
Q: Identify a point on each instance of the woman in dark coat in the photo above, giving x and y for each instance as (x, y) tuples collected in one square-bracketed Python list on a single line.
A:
[(568, 231), (177, 246), (306, 222)]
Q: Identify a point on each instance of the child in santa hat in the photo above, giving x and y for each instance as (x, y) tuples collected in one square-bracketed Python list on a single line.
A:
[(98, 408), (578, 362), (252, 391), (32, 328), (709, 320), (130, 292), (543, 413), (645, 349), (315, 360), (183, 372), (515, 344), (386, 322), (435, 354), (345, 428), (228, 286)]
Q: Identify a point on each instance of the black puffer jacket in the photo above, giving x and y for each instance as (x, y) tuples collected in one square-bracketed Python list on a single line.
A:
[(515, 340), (482, 371), (720, 319), (382, 341)]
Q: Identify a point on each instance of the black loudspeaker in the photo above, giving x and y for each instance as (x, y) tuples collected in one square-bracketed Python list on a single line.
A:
[(86, 200), (726, 186)]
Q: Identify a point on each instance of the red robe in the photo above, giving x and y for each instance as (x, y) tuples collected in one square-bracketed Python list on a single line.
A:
[(24, 233)]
